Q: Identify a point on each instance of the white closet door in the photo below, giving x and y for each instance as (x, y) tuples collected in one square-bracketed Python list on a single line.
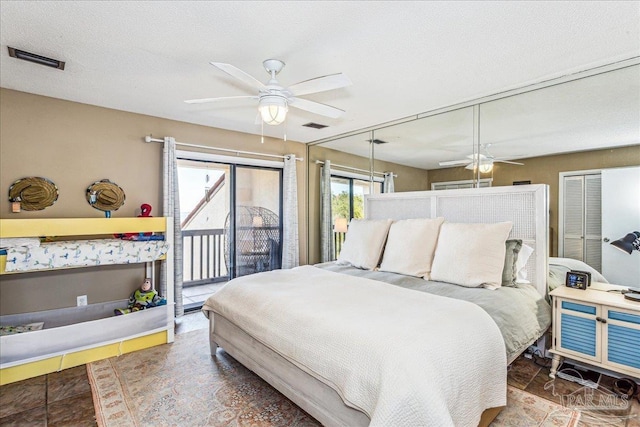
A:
[(593, 221), (573, 217)]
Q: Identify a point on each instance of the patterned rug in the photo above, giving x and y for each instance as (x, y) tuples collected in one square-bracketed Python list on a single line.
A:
[(182, 385)]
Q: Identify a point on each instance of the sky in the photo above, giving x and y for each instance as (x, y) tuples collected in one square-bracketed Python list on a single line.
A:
[(193, 185)]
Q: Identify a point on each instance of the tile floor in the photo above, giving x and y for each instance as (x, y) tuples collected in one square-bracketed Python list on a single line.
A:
[(526, 375), (63, 398), (196, 295)]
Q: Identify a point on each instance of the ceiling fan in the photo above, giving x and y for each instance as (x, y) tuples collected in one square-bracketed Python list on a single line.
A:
[(483, 161), (274, 99)]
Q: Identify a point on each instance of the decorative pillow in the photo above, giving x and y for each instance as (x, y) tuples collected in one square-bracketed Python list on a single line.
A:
[(410, 246), (471, 255), (364, 243), (510, 271), (523, 257)]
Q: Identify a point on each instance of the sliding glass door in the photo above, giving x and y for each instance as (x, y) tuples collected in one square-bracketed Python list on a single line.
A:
[(255, 246), (231, 224)]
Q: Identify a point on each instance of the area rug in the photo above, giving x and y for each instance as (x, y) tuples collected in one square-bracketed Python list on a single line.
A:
[(182, 385)]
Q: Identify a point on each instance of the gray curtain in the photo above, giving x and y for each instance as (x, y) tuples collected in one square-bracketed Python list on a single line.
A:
[(290, 248), (171, 208), (388, 182), (326, 221)]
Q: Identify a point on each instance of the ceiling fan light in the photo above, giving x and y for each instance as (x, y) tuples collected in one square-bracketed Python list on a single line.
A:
[(273, 110), (486, 167)]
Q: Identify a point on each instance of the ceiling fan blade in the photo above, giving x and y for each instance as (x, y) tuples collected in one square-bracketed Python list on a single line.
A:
[(240, 75), (316, 107), (224, 98), (508, 161), (320, 84), (455, 163)]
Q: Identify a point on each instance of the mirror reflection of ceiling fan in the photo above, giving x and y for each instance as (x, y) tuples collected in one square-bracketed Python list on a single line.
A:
[(483, 161), (274, 99)]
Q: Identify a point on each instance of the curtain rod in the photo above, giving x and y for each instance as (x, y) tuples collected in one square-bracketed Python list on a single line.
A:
[(148, 138), (320, 162)]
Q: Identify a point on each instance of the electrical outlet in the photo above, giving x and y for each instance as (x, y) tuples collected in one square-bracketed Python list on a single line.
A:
[(81, 300)]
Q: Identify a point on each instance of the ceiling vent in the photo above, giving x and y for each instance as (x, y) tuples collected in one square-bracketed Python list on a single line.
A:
[(378, 141), (314, 125), (32, 57)]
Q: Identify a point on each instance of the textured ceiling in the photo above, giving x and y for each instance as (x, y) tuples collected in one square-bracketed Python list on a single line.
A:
[(403, 58)]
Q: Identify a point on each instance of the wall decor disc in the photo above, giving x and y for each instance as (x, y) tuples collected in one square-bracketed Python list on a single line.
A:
[(34, 193), (105, 195)]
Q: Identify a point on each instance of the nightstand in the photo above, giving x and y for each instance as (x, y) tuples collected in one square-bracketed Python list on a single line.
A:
[(596, 327)]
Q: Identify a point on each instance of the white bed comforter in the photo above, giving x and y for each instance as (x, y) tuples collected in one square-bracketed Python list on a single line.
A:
[(402, 357)]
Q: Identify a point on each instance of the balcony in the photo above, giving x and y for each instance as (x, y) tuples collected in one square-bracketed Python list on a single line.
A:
[(204, 269), (204, 265)]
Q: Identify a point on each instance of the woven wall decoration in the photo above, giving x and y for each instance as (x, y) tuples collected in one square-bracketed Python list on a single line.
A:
[(33, 193), (105, 195)]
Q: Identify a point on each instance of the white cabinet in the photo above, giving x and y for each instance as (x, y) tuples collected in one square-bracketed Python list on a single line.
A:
[(596, 327)]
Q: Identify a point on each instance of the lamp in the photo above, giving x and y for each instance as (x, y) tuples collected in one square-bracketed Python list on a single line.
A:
[(340, 225), (273, 109), (628, 243)]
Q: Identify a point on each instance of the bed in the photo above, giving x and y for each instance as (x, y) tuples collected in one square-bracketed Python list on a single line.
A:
[(355, 346)]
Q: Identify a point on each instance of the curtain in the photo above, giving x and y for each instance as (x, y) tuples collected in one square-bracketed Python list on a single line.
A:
[(171, 208), (326, 221), (388, 182), (290, 249)]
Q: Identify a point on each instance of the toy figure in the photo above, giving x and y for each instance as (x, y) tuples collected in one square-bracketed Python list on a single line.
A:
[(145, 212), (142, 298)]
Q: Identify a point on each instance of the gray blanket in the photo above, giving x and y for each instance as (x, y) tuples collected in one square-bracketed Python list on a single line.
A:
[(520, 312)]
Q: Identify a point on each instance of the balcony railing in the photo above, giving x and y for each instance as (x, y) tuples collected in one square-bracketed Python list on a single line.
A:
[(204, 254), (203, 257)]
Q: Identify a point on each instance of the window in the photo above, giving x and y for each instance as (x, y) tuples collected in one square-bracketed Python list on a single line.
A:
[(347, 202)]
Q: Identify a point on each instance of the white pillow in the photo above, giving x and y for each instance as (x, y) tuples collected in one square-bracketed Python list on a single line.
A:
[(471, 255), (521, 263), (410, 246), (364, 243)]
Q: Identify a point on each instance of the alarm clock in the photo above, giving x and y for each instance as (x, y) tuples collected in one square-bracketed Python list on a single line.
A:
[(577, 280)]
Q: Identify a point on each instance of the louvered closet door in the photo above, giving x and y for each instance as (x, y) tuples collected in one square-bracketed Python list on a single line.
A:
[(573, 217), (593, 221)]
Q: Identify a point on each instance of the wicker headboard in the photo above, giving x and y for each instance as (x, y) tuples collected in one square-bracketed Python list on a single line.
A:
[(527, 206)]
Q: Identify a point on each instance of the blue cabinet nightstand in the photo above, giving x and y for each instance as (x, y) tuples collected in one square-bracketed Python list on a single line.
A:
[(596, 327)]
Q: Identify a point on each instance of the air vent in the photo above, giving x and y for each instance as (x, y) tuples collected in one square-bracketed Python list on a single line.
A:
[(379, 141), (314, 125), (32, 57)]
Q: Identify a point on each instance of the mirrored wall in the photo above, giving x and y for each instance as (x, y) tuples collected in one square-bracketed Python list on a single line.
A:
[(580, 122)]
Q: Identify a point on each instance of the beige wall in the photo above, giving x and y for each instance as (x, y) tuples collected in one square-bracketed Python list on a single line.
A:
[(409, 179), (546, 170), (76, 144)]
